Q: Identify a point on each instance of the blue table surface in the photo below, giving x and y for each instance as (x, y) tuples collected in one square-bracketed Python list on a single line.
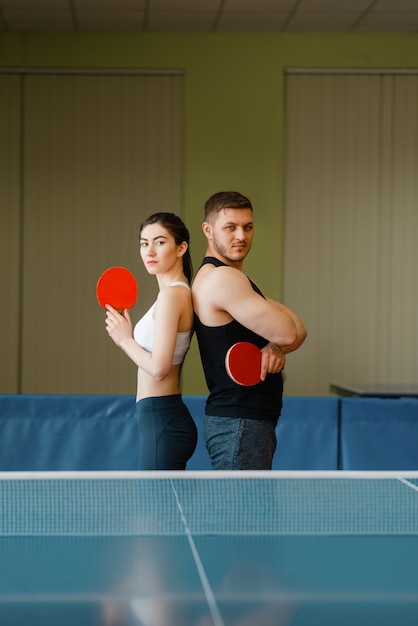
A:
[(262, 552)]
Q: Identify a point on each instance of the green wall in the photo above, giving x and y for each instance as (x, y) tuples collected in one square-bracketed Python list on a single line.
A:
[(234, 113)]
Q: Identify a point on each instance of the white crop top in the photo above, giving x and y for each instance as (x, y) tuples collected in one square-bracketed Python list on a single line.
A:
[(144, 332)]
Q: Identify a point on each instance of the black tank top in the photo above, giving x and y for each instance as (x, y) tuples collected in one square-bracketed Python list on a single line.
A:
[(226, 398)]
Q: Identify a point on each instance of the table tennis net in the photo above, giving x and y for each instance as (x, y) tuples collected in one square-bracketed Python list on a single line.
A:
[(202, 503)]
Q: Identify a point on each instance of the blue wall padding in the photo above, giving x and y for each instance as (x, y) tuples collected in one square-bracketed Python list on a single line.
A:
[(81, 432)]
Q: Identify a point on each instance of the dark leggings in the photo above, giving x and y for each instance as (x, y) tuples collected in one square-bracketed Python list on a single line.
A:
[(167, 433)]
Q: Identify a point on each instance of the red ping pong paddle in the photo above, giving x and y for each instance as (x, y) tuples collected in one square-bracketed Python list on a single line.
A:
[(117, 287), (243, 363)]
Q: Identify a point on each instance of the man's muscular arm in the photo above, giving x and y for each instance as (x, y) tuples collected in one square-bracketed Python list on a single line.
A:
[(231, 292), (300, 328)]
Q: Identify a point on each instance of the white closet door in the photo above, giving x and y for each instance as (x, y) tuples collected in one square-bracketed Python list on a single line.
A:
[(10, 232), (101, 153), (351, 223)]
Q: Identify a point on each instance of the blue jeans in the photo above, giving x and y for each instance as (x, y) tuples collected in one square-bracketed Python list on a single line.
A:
[(240, 444)]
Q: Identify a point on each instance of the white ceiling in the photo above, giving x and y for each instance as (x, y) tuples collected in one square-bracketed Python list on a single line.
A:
[(289, 16)]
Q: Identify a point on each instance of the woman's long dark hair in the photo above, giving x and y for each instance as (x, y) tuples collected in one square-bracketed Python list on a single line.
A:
[(178, 230)]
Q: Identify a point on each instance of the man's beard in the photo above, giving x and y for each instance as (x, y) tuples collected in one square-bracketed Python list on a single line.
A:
[(226, 252)]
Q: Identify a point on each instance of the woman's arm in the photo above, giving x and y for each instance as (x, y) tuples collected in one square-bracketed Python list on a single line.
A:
[(167, 313)]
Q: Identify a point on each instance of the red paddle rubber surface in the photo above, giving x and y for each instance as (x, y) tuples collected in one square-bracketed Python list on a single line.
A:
[(117, 287), (243, 363)]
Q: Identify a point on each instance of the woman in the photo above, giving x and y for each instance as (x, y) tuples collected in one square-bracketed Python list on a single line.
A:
[(158, 346)]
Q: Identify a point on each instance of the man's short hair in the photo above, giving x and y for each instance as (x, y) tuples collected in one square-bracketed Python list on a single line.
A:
[(226, 200)]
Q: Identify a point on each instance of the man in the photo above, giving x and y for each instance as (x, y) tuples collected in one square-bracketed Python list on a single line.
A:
[(240, 421)]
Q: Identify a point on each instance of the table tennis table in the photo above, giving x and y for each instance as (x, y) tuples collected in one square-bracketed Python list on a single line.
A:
[(375, 390), (209, 548)]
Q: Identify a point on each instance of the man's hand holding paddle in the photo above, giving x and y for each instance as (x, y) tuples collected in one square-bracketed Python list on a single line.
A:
[(273, 360), (247, 365)]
